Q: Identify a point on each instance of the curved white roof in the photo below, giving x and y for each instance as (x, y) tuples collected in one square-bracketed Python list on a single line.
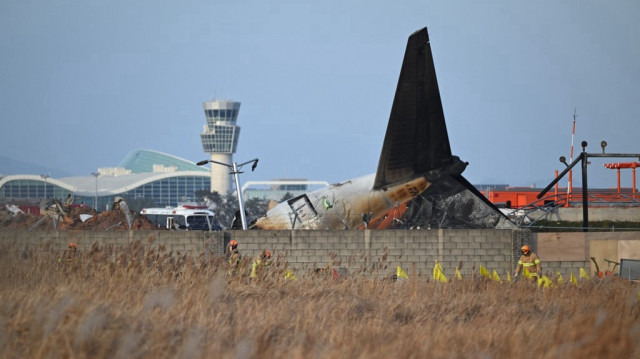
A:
[(106, 185), (141, 161)]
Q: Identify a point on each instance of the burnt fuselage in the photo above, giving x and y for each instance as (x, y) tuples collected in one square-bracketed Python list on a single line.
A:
[(340, 206), (416, 175)]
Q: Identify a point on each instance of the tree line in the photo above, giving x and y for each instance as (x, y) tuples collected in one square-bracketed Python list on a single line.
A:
[(226, 206)]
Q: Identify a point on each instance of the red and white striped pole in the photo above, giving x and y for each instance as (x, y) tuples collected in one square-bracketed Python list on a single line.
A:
[(570, 185)]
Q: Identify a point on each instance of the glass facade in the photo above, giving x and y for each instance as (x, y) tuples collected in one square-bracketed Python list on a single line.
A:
[(293, 187), (170, 191), (220, 134), (215, 116), (32, 190), (222, 139), (270, 194), (164, 192)]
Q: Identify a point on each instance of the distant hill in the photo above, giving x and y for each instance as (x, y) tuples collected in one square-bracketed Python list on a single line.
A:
[(10, 166)]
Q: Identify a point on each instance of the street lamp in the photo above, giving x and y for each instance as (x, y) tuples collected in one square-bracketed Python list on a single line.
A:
[(45, 184), (235, 171), (95, 198)]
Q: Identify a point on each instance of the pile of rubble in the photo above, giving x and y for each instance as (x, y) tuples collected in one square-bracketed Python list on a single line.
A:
[(114, 220), (72, 218)]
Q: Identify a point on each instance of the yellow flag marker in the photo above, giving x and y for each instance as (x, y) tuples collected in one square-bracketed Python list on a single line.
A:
[(508, 277), (583, 274), (495, 276), (443, 278), (544, 281), (438, 273), (559, 279), (436, 267), (458, 274), (401, 274), (573, 279), (289, 275), (484, 272)]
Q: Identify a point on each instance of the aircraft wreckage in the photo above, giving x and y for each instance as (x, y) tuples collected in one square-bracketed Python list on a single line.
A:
[(418, 183)]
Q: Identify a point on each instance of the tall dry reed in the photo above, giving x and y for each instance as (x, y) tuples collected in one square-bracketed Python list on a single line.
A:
[(139, 302)]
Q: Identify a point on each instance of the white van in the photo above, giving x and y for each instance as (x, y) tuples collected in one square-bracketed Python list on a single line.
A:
[(197, 218)]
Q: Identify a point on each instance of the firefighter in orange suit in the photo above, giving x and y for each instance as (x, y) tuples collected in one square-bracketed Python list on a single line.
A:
[(530, 261), (234, 257), (262, 261), (69, 254)]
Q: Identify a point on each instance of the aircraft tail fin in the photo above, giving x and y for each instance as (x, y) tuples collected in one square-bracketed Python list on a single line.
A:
[(416, 140)]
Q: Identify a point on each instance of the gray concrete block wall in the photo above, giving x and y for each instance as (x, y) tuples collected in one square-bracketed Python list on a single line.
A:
[(574, 214), (377, 253), (549, 268), (471, 249), (565, 268)]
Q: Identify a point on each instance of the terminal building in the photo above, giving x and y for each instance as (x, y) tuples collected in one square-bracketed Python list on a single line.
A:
[(279, 189), (156, 179)]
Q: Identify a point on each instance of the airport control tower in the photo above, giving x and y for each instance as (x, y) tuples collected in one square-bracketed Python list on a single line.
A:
[(220, 139)]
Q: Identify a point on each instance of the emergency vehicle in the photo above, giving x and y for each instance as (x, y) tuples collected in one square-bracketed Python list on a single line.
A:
[(183, 217)]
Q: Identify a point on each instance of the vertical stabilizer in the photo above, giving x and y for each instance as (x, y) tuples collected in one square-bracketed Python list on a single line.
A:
[(416, 140)]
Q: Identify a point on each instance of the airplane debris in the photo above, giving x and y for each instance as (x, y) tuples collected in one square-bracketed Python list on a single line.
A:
[(418, 183), (77, 218)]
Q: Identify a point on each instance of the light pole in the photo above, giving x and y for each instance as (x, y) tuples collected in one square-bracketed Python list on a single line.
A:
[(95, 198), (45, 184), (584, 158), (235, 170)]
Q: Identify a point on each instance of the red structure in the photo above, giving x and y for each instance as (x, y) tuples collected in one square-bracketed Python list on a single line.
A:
[(519, 197), (619, 166)]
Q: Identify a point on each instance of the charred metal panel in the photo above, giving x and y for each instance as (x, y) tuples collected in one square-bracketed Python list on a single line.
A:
[(416, 140), (452, 203), (302, 210)]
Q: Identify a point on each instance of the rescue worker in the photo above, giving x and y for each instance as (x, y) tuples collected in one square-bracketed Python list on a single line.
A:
[(70, 253), (262, 261), (234, 257), (530, 261)]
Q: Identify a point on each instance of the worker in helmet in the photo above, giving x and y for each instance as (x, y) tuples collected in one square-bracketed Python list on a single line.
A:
[(530, 261), (70, 253), (234, 257), (262, 261)]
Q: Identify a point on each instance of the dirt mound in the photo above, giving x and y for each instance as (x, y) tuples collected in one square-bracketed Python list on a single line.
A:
[(107, 220), (114, 220)]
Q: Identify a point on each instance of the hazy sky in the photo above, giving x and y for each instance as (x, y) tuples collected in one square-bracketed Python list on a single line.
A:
[(82, 83)]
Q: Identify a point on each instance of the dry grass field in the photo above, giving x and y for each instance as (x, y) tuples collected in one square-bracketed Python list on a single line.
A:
[(139, 303)]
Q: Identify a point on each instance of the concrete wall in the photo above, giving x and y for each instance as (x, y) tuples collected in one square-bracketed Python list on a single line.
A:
[(574, 250), (374, 253), (574, 214), (369, 252)]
